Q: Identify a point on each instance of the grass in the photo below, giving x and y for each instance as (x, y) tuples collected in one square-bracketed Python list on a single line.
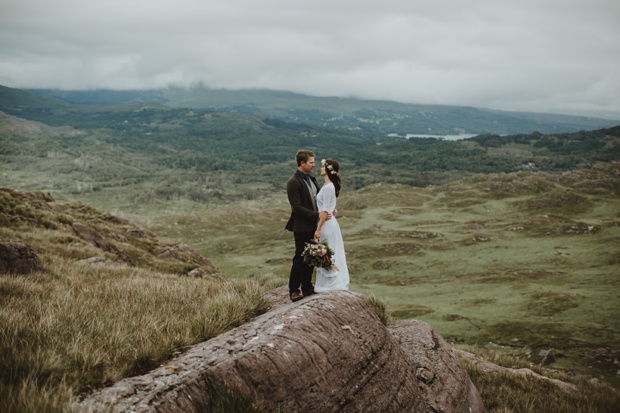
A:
[(493, 262), (521, 262), (504, 392), (76, 326), (507, 393)]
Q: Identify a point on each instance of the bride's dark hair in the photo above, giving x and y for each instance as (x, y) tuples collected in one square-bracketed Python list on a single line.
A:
[(331, 170)]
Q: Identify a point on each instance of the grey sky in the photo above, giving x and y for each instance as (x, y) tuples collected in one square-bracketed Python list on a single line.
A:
[(536, 55)]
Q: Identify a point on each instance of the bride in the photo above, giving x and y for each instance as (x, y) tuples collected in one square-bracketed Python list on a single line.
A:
[(337, 277)]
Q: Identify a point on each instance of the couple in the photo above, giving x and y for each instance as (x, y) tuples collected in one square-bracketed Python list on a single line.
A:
[(312, 217)]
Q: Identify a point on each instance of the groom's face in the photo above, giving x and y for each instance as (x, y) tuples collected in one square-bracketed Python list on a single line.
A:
[(307, 167)]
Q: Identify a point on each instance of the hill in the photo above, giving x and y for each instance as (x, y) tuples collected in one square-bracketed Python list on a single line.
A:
[(107, 299), (91, 233), (505, 244), (135, 159), (515, 263), (518, 268), (370, 117)]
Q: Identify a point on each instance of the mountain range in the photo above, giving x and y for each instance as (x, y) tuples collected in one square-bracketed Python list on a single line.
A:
[(374, 117)]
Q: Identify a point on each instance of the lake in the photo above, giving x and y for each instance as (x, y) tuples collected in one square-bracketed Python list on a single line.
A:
[(444, 137)]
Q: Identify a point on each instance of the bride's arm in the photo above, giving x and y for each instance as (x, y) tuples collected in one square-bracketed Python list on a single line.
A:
[(324, 215), (330, 204), (322, 218)]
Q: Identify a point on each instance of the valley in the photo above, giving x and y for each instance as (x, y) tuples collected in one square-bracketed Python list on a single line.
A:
[(506, 244)]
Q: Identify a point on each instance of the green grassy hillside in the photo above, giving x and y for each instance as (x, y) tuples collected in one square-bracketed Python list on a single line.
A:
[(508, 245), (112, 300), (521, 262), (502, 265)]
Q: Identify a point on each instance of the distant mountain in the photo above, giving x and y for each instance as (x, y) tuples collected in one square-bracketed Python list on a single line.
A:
[(363, 116), (17, 99)]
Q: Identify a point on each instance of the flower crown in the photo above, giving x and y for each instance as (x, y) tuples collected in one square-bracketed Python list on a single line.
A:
[(329, 167)]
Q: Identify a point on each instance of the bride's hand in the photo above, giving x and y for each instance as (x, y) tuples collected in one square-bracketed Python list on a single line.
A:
[(317, 235)]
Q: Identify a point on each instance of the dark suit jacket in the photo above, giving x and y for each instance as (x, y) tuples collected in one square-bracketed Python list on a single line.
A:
[(303, 216)]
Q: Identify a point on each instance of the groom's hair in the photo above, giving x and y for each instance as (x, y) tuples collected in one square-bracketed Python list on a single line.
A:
[(303, 155)]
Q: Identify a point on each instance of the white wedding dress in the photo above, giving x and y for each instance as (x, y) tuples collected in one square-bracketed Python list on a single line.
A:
[(330, 280)]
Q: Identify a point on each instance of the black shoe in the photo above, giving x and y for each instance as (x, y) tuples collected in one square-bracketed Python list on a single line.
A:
[(309, 293)]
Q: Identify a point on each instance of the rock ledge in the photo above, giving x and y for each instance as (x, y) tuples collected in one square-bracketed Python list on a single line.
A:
[(326, 353)]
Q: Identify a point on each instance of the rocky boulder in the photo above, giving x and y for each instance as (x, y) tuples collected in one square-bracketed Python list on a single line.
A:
[(18, 258), (326, 353), (89, 235), (184, 252), (442, 377)]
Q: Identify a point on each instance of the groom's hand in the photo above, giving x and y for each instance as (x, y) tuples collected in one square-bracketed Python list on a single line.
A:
[(332, 215)]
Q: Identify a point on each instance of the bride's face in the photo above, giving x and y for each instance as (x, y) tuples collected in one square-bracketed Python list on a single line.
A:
[(323, 170)]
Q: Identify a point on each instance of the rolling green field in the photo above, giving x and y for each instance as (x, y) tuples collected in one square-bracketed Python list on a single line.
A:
[(520, 262), (507, 245), (502, 265)]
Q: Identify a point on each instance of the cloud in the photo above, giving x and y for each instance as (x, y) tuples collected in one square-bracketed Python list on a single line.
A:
[(555, 55)]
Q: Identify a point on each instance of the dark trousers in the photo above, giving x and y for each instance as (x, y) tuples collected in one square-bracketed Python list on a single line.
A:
[(301, 273)]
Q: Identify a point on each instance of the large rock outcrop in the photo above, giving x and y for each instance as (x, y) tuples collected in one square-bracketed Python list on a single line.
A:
[(326, 353)]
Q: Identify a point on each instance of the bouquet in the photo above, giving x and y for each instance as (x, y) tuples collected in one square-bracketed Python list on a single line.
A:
[(318, 254)]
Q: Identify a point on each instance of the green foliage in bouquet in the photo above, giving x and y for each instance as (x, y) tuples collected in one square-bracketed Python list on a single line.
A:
[(318, 254)]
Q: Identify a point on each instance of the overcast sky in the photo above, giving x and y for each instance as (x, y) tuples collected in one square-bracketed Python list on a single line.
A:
[(558, 56)]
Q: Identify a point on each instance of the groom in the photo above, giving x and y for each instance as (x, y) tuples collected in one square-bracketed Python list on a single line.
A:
[(301, 189)]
